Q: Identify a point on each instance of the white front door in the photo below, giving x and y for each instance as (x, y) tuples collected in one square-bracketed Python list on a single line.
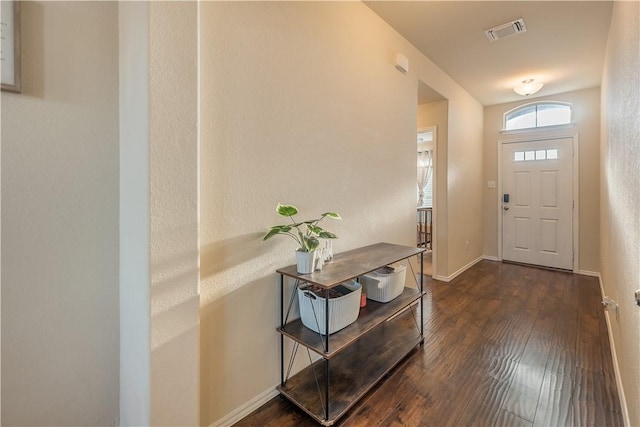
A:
[(537, 202)]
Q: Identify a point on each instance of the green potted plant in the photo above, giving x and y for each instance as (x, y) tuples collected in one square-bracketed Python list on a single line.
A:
[(305, 233)]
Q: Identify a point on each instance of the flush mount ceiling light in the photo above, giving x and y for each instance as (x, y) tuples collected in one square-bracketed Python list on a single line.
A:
[(528, 87)]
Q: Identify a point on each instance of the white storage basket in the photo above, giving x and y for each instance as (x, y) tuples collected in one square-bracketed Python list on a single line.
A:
[(343, 310), (384, 284)]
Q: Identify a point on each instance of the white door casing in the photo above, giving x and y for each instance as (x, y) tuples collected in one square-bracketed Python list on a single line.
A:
[(537, 221), (434, 186)]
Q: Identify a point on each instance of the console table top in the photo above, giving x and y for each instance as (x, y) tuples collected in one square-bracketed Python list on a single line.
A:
[(351, 264)]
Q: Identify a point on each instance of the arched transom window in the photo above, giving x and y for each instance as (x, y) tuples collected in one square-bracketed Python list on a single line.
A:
[(537, 115)]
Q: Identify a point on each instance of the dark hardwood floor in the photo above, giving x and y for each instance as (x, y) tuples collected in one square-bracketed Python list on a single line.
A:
[(505, 345)]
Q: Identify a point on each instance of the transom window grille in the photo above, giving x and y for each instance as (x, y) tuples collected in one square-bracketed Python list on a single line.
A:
[(537, 115), (529, 155)]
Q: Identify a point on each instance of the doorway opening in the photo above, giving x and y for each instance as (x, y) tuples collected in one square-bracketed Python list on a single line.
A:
[(424, 194), (432, 117)]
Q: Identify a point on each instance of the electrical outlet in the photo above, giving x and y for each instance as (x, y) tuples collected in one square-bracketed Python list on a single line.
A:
[(610, 305)]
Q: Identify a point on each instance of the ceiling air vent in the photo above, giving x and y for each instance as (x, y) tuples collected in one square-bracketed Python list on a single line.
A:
[(505, 30)]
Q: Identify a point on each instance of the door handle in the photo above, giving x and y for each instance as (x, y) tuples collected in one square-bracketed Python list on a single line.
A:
[(506, 208)]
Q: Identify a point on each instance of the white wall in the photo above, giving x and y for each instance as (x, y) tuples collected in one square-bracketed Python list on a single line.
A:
[(173, 192), (135, 371), (463, 233), (60, 220), (60, 188), (585, 106), (301, 104), (620, 194), (159, 215)]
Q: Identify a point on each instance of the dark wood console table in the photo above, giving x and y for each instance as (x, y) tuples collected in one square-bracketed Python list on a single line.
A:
[(355, 358)]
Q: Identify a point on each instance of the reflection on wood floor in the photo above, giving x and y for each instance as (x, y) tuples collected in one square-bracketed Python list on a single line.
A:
[(505, 345)]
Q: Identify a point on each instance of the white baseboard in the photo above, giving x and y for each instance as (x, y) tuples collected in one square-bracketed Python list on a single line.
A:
[(244, 410), (592, 274), (459, 272), (614, 357), (491, 258)]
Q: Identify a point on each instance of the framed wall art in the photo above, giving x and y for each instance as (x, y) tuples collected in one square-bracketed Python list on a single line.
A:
[(10, 45)]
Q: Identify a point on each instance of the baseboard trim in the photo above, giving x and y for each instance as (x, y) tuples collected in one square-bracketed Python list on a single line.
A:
[(592, 274), (491, 258), (459, 272), (616, 367), (244, 410)]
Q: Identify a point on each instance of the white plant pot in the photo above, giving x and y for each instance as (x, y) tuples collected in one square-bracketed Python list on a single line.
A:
[(306, 261)]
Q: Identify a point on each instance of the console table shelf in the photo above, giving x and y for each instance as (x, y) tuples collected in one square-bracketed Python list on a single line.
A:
[(354, 371), (357, 357), (370, 317)]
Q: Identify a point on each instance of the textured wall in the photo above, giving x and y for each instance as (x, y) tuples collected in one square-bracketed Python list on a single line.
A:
[(297, 107), (159, 213), (302, 104), (173, 197), (463, 234), (620, 188), (60, 220), (585, 106)]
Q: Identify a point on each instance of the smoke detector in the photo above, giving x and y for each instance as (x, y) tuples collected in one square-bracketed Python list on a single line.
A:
[(506, 30)]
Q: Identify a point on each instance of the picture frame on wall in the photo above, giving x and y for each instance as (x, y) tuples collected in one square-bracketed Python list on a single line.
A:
[(10, 60)]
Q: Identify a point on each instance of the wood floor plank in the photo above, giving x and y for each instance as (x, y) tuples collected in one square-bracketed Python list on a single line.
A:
[(378, 407), (504, 345), (610, 386), (408, 413), (560, 360), (590, 407), (554, 404), (565, 336), (507, 419), (587, 343), (502, 368), (524, 391), (485, 403)]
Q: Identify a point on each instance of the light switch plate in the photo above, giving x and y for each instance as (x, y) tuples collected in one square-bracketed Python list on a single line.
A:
[(491, 184)]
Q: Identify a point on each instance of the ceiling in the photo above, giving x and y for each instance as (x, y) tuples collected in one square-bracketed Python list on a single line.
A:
[(563, 47)]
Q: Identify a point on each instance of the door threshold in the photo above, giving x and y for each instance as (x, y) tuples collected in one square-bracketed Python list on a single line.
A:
[(542, 267)]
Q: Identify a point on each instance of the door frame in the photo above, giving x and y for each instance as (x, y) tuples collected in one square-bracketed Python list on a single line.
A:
[(434, 157), (542, 135)]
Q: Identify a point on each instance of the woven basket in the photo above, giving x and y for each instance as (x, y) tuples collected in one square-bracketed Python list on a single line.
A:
[(343, 310), (384, 284)]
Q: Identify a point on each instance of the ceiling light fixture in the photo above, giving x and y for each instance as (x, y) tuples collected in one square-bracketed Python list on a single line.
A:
[(528, 87)]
